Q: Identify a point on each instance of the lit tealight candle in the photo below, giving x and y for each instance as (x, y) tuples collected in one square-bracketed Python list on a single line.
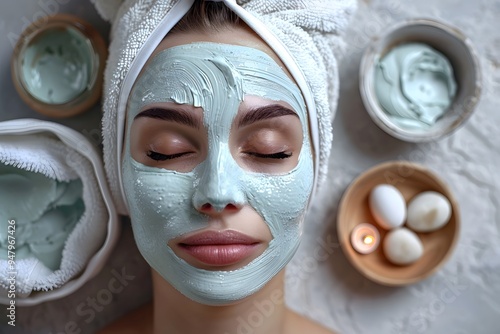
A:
[(365, 238)]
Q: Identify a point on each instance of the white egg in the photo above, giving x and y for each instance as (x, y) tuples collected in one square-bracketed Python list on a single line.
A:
[(402, 246), (428, 211), (388, 206)]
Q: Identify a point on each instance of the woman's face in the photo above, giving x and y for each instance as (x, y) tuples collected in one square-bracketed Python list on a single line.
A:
[(217, 165)]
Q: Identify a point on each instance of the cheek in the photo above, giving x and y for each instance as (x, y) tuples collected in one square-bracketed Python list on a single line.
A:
[(160, 204), (162, 195), (282, 200)]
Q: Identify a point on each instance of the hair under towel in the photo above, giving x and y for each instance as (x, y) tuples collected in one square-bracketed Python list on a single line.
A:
[(305, 35)]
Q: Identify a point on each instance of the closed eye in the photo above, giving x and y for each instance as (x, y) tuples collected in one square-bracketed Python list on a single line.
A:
[(278, 155), (162, 157)]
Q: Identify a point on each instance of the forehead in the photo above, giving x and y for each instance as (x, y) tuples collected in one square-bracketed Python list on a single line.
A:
[(239, 34), (191, 73)]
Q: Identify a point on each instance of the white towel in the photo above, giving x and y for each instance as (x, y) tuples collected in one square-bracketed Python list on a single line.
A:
[(64, 155), (306, 35)]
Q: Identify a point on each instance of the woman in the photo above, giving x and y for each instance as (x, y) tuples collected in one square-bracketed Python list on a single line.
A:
[(219, 147)]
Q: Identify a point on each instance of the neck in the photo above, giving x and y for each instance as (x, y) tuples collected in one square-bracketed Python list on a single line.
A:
[(263, 312)]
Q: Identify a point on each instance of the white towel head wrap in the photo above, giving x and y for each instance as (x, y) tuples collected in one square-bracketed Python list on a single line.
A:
[(306, 36)]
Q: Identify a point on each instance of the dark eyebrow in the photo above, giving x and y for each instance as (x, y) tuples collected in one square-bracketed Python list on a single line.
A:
[(172, 115), (266, 112)]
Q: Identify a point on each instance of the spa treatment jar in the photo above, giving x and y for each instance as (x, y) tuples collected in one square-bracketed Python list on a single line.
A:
[(421, 80), (57, 65)]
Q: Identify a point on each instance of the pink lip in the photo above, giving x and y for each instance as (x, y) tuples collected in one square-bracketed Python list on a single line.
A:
[(219, 248)]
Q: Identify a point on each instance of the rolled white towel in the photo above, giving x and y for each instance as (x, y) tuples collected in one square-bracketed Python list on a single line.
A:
[(53, 155)]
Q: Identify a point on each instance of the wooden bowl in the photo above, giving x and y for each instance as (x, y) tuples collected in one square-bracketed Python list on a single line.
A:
[(410, 179)]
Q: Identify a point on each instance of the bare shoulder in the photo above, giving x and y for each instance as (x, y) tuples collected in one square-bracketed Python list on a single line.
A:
[(299, 324), (137, 321)]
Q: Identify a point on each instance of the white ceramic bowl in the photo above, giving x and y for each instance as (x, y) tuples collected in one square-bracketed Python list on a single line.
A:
[(453, 44)]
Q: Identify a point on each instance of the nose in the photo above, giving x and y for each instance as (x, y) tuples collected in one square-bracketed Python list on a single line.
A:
[(218, 189)]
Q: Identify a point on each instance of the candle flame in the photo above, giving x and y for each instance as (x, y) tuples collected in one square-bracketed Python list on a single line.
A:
[(368, 239)]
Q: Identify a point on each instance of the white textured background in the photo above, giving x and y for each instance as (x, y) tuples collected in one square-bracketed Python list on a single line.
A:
[(462, 298)]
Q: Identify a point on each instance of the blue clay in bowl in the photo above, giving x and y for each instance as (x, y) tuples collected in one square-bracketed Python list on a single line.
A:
[(57, 65)]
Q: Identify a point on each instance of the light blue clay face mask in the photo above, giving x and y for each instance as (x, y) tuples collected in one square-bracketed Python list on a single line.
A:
[(215, 77)]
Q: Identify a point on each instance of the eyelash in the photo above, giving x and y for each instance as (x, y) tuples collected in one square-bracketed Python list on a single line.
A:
[(278, 155), (162, 157)]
